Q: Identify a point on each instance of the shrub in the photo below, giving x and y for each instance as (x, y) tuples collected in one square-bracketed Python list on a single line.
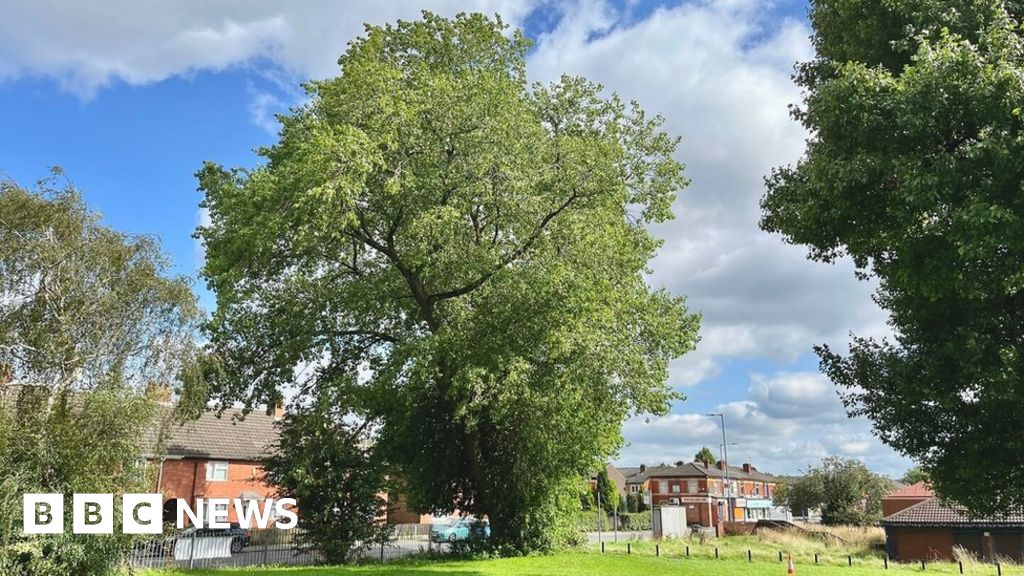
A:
[(635, 521)]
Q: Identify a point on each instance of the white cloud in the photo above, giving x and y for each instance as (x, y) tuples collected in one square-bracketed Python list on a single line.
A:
[(789, 421), (87, 45)]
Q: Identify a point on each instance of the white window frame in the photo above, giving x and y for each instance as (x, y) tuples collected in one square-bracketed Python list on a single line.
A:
[(692, 487), (675, 488), (214, 469), (219, 506), (633, 488), (662, 486)]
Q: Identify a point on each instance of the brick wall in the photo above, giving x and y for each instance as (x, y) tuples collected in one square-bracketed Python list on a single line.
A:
[(186, 479), (914, 544)]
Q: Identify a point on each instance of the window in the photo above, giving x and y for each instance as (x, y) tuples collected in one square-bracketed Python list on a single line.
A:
[(675, 488), (691, 486), (217, 471), (663, 486), (633, 488), (221, 511)]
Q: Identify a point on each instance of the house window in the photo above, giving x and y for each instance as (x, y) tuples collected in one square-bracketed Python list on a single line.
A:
[(633, 488), (675, 488), (663, 486), (217, 471), (691, 486), (220, 510)]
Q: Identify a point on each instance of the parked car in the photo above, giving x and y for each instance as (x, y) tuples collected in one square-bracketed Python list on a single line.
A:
[(459, 529), (240, 537)]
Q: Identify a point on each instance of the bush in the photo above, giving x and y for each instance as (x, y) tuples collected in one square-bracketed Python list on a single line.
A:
[(588, 521), (635, 521)]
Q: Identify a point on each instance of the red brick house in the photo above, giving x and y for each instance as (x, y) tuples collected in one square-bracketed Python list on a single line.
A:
[(931, 528), (213, 457), (700, 488), (905, 497)]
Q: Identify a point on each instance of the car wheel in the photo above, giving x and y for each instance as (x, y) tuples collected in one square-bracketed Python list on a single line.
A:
[(236, 545), (452, 538)]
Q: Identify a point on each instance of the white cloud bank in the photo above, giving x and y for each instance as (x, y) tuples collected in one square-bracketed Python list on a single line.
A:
[(719, 70)]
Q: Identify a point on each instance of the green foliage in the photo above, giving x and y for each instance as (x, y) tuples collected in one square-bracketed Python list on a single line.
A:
[(641, 504), (915, 475), (845, 491), (913, 171), (328, 466), (631, 503), (87, 319), (635, 521), (475, 248), (705, 456), (607, 490)]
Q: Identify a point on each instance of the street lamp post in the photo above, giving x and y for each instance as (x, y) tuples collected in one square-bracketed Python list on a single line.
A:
[(725, 458)]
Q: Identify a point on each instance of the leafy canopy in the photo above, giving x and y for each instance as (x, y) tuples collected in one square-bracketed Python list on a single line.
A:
[(474, 248), (706, 456), (88, 318), (913, 170), (844, 490)]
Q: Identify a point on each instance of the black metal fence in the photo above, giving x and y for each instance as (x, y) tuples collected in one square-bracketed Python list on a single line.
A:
[(198, 550)]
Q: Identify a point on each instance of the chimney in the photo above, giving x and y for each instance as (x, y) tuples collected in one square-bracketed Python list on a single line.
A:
[(747, 467), (721, 465), (643, 468)]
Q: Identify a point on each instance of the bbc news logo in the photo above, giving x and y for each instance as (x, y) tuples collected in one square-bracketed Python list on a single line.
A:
[(142, 513)]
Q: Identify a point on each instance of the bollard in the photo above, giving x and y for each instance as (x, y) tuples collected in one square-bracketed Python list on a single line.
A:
[(780, 556), (815, 557), (961, 563), (999, 569), (602, 547), (629, 548), (886, 560), (657, 550), (849, 560), (716, 552), (922, 565), (687, 551), (750, 557)]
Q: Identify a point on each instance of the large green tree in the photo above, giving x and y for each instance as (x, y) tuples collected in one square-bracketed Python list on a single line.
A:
[(88, 318), (475, 249), (844, 490), (913, 169)]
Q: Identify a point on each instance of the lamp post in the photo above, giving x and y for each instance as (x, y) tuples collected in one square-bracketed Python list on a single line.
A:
[(725, 459)]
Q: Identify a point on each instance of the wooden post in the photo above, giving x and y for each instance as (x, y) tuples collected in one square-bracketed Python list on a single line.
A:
[(716, 552), (815, 557), (750, 556), (657, 550)]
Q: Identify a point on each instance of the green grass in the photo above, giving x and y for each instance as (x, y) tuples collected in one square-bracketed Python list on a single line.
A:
[(614, 563)]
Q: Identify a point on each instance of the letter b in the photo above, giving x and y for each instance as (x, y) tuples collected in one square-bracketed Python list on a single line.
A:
[(92, 513), (42, 513)]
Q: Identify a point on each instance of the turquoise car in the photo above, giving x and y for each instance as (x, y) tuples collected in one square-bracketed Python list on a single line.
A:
[(457, 529)]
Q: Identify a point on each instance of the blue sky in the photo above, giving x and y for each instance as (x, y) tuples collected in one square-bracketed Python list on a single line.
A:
[(131, 106)]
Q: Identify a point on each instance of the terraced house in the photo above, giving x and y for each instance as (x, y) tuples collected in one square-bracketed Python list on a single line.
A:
[(702, 490)]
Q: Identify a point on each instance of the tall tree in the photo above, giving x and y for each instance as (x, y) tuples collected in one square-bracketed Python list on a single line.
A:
[(608, 491), (705, 456), (474, 248), (914, 110), (88, 318)]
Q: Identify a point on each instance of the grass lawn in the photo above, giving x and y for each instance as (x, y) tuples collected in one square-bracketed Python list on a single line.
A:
[(612, 564)]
